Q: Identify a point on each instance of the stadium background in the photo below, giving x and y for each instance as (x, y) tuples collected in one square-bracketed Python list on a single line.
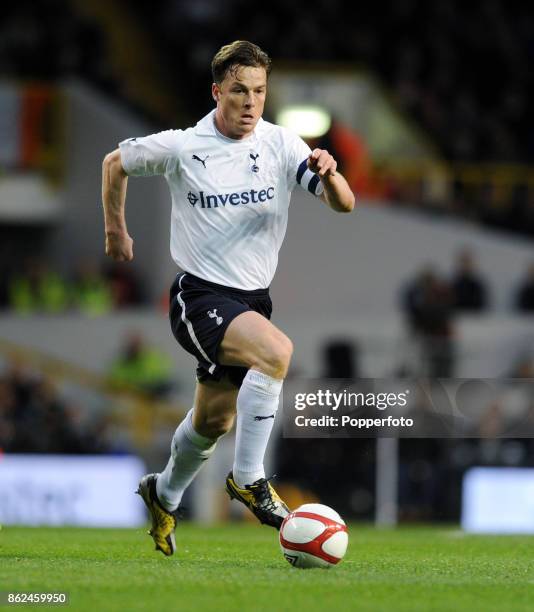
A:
[(432, 276)]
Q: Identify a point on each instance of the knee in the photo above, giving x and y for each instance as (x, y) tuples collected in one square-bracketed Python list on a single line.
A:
[(215, 425), (277, 357)]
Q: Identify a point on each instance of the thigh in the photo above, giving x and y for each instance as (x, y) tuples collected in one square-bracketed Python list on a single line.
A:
[(200, 317), (248, 337), (215, 401)]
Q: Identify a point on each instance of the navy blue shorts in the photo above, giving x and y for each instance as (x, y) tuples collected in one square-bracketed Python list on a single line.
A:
[(200, 312)]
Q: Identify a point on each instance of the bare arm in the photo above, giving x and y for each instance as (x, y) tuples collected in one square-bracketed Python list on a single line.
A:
[(337, 193), (119, 245)]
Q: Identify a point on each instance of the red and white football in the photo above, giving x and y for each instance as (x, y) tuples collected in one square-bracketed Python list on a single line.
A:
[(313, 535)]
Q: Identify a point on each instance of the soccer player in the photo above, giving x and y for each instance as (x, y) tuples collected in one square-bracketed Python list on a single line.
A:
[(230, 178)]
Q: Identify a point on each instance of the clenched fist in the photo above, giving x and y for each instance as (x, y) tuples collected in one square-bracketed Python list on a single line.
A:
[(119, 247), (322, 163)]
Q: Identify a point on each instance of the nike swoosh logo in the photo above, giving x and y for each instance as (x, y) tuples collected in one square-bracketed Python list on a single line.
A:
[(260, 418)]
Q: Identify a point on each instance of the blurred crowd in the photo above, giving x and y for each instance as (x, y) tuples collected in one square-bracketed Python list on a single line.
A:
[(489, 201), (426, 53), (91, 289), (460, 72), (429, 300), (36, 418), (41, 414), (50, 39), (431, 303), (139, 366), (442, 60)]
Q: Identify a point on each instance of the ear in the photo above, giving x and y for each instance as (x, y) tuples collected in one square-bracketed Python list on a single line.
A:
[(215, 92)]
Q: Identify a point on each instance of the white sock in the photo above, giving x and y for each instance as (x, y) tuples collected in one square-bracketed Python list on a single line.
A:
[(257, 403), (189, 451)]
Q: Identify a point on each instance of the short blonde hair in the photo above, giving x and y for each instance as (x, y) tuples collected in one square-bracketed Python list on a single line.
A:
[(238, 53)]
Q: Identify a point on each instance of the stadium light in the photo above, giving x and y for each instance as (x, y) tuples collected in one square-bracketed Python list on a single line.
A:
[(306, 120)]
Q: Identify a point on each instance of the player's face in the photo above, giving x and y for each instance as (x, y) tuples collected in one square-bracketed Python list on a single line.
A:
[(240, 100)]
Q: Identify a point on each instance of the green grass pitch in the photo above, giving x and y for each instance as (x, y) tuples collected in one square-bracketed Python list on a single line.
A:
[(240, 567)]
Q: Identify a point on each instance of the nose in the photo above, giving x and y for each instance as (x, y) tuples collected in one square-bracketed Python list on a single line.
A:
[(249, 100)]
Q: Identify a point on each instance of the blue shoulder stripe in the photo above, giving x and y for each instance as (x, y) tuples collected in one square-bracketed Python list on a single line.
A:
[(312, 185), (302, 169)]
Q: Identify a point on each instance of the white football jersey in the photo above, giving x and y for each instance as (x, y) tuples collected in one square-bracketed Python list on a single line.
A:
[(230, 198)]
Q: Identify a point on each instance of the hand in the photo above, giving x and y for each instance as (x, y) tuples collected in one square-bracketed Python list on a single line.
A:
[(322, 163), (119, 247)]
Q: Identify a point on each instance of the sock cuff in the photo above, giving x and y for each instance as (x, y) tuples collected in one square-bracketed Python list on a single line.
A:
[(264, 383), (194, 437), (247, 477)]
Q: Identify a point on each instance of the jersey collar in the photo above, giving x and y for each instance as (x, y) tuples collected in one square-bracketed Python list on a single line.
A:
[(206, 126)]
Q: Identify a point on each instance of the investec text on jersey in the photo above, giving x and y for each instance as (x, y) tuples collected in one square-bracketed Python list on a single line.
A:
[(244, 197)]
